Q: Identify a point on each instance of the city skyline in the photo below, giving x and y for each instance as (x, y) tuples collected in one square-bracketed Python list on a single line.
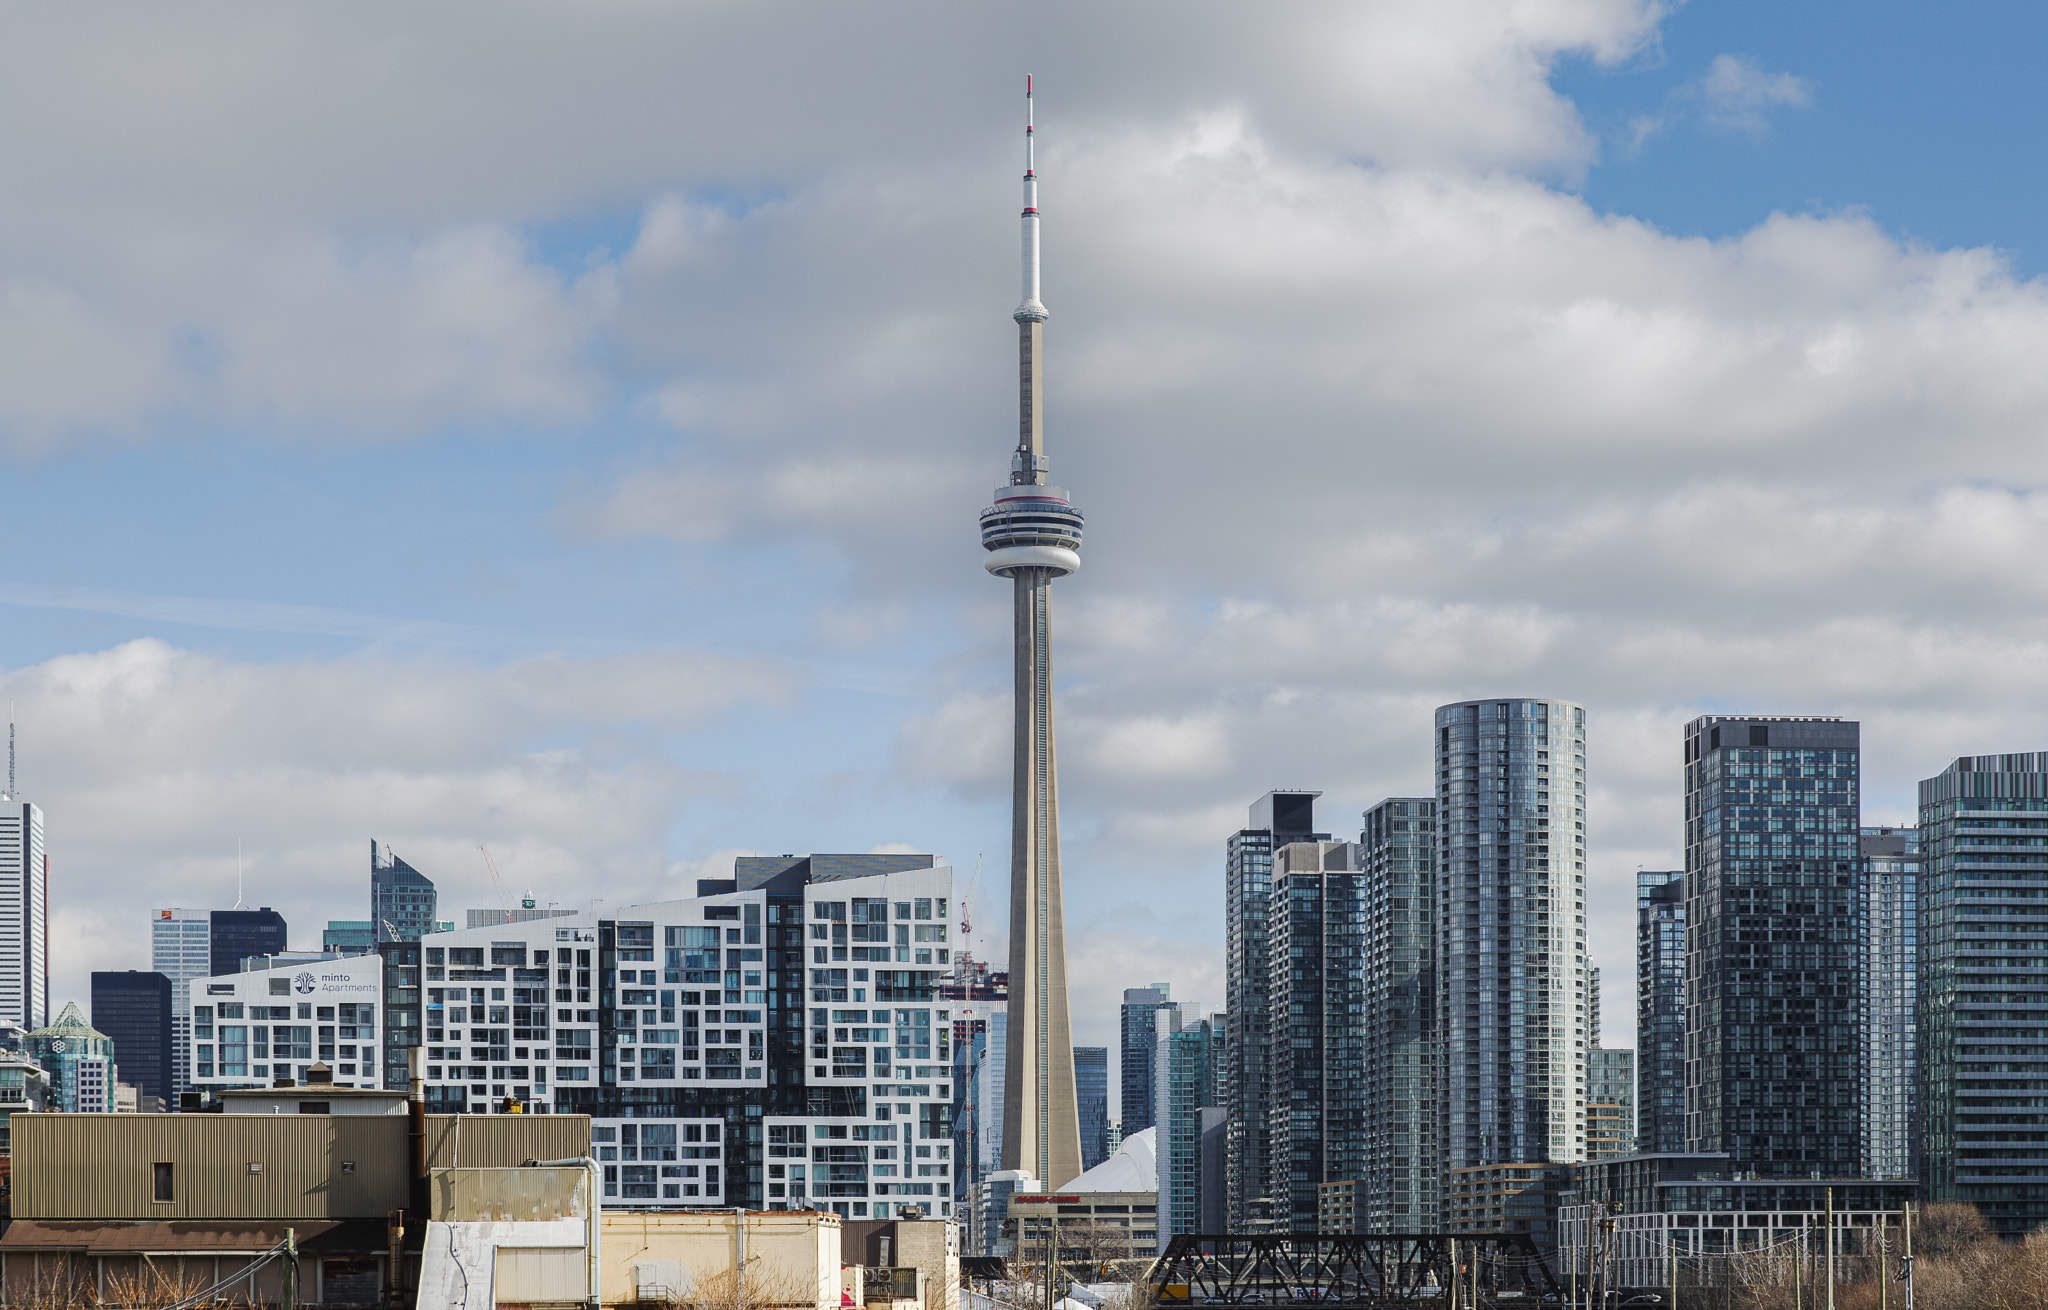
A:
[(599, 500)]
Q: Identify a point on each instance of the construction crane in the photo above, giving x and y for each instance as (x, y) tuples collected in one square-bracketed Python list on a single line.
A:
[(496, 881), (967, 903)]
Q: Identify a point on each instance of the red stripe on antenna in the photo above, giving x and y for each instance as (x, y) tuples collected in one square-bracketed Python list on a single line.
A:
[(1027, 84)]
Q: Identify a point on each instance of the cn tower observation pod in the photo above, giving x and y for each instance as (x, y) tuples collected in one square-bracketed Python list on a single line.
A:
[(1031, 526)]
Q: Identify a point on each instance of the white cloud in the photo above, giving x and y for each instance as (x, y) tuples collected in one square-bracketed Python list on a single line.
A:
[(315, 223), (152, 763), (1738, 94)]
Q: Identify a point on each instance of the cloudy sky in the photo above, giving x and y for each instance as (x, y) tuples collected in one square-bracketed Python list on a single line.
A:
[(561, 428)]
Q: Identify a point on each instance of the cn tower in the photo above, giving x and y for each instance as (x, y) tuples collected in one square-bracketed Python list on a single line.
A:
[(1032, 535)]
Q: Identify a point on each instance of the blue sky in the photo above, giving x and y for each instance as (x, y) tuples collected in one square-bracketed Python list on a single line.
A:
[(1917, 114), (571, 442)]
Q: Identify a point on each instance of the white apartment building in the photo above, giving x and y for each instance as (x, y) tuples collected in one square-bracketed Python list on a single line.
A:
[(250, 1029), (778, 1042)]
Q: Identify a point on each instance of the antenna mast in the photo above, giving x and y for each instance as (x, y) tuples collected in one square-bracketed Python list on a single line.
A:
[(10, 748)]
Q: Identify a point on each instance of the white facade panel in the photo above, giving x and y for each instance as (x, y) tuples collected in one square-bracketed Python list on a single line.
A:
[(250, 1029)]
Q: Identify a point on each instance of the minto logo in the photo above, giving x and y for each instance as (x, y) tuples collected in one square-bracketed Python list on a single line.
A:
[(303, 983)]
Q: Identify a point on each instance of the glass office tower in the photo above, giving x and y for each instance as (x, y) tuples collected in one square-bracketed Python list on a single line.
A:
[(1316, 1066), (1277, 818), (1091, 1097), (1775, 922), (1983, 988), (1511, 950), (1660, 1011), (1397, 851), (1137, 1056), (1891, 891)]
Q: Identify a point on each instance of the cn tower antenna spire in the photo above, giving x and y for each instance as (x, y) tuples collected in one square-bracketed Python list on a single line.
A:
[(1029, 467)]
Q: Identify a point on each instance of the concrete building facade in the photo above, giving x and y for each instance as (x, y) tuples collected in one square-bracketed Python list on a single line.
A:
[(778, 1041), (251, 1028)]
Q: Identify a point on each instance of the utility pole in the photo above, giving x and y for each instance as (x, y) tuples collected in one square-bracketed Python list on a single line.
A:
[(1831, 1248), (291, 1270), (1909, 1255), (1585, 1245), (1454, 1273), (1671, 1245), (1799, 1265), (1884, 1273), (1052, 1263)]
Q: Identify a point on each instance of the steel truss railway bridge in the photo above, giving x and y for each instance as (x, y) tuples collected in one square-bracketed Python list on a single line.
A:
[(1355, 1271)]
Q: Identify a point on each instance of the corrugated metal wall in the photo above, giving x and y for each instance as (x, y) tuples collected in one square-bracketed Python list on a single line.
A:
[(529, 1275), (498, 1141), (99, 1166)]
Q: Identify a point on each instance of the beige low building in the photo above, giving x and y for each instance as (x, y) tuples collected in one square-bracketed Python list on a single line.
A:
[(886, 1250), (790, 1258)]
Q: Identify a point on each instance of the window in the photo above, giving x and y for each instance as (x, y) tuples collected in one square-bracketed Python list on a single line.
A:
[(313, 1107), (280, 987), (160, 1181)]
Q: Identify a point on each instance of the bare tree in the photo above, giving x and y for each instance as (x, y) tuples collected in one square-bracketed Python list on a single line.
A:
[(762, 1288), (1947, 1228)]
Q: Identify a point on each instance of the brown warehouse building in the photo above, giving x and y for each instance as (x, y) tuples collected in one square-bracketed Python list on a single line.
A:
[(110, 1208)]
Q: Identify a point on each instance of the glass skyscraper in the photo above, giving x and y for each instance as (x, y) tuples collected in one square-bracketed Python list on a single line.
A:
[(1660, 1011), (1984, 988), (1775, 923), (133, 1009), (238, 935), (402, 899), (1277, 818), (1610, 1103), (1138, 1055), (1511, 950), (1189, 1057), (1397, 851), (1091, 1097), (24, 914), (1891, 878), (181, 949), (1316, 1007)]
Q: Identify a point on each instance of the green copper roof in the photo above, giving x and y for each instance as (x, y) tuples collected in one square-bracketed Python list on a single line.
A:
[(70, 1023)]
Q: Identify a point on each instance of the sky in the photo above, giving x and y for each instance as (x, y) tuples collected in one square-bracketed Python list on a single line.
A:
[(561, 429)]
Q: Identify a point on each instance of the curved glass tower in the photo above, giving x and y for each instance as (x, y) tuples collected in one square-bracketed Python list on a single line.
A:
[(1032, 535)]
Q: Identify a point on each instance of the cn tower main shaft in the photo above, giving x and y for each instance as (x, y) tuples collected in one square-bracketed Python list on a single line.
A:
[(1032, 535)]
